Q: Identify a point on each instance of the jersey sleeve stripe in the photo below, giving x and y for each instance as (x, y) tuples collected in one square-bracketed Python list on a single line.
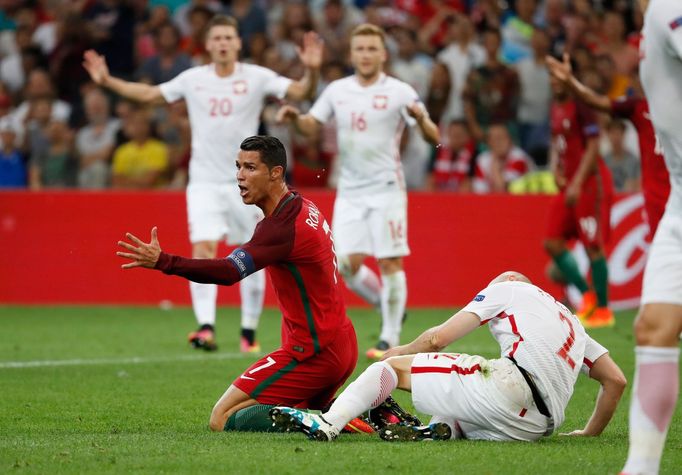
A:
[(588, 363), (515, 331), (452, 369)]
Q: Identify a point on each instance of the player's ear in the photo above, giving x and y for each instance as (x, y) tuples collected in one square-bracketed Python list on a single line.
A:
[(277, 173)]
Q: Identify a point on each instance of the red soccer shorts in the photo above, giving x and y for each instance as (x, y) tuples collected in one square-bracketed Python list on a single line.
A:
[(589, 219), (280, 379)]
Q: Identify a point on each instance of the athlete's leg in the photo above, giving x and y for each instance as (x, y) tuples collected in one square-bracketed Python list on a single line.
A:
[(359, 278), (252, 292), (565, 262), (656, 386), (204, 299), (370, 389), (233, 400), (600, 274), (393, 298)]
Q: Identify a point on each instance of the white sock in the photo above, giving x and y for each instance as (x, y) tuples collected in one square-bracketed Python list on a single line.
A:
[(654, 395), (369, 390), (203, 302), (366, 284), (393, 299), (252, 291)]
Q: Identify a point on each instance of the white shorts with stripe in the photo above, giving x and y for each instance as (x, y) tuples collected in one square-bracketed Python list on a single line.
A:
[(481, 399), (663, 272), (374, 224), (216, 211)]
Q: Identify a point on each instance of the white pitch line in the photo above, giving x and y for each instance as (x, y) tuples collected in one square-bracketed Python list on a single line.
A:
[(123, 361)]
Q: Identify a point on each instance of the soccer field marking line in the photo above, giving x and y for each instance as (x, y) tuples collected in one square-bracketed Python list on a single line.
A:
[(122, 361)]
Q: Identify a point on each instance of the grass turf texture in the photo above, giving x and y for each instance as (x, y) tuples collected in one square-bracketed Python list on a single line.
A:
[(107, 412)]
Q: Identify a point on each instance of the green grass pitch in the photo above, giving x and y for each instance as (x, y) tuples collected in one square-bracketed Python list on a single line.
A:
[(116, 390)]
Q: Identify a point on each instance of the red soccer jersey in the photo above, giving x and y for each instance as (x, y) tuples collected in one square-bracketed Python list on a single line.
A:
[(655, 179), (296, 246), (572, 125)]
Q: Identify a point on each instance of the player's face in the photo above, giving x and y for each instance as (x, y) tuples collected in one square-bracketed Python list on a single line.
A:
[(223, 44), (367, 55), (253, 177)]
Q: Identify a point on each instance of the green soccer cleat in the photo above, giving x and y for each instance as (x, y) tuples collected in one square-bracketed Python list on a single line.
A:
[(405, 433)]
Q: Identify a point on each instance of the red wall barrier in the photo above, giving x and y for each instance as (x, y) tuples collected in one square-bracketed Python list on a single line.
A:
[(58, 247)]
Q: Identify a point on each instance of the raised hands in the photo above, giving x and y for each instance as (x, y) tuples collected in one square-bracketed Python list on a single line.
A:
[(96, 66), (311, 52), (143, 254), (561, 70), (287, 114)]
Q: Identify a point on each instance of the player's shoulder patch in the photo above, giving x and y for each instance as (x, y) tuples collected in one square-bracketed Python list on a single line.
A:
[(676, 23), (479, 298)]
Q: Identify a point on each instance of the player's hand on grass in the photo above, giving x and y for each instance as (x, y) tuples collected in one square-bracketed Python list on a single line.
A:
[(142, 254), (576, 433), (286, 114), (311, 52), (96, 66)]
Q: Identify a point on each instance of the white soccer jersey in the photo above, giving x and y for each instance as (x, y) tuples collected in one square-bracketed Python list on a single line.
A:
[(370, 122), (661, 71), (541, 334), (223, 111)]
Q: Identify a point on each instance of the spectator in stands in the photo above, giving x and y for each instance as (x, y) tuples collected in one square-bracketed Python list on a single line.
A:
[(12, 71), (53, 165), (193, 42), (65, 60), (12, 165), (492, 91), (554, 14), (95, 141), (169, 60), (182, 16), (502, 163), (535, 99), (461, 55), (614, 44), (615, 83), (624, 165), (517, 32), (252, 23), (334, 23), (141, 162), (454, 161), (174, 130), (112, 28), (433, 16)]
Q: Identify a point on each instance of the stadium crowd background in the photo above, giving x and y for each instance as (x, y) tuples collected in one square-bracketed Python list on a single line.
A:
[(477, 65)]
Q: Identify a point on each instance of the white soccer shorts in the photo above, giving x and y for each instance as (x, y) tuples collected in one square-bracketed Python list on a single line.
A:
[(216, 211), (374, 224), (483, 399), (663, 271)]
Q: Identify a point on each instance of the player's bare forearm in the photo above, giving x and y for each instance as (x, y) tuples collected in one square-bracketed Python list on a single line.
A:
[(429, 130), (305, 87), (307, 125), (436, 338), (588, 161), (135, 91), (589, 96), (613, 384), (203, 271)]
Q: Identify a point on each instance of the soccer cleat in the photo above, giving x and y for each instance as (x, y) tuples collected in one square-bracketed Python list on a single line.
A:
[(389, 412), (403, 433), (587, 306), (602, 317), (246, 347), (358, 425), (203, 339), (378, 351), (313, 425)]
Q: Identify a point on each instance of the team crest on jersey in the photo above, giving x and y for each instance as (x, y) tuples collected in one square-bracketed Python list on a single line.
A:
[(479, 298), (380, 102), (239, 87)]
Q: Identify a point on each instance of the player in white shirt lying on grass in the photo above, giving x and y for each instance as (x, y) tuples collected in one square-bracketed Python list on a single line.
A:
[(520, 396), (371, 110), (224, 99)]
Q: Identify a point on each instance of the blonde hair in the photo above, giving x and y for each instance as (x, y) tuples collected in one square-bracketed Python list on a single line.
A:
[(367, 29)]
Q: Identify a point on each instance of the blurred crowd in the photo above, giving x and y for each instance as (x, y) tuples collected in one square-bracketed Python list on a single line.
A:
[(478, 65)]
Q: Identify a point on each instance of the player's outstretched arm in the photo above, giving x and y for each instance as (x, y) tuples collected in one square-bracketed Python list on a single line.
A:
[(305, 124), (436, 338), (613, 383), (310, 55), (562, 71), (427, 127), (97, 68), (141, 254)]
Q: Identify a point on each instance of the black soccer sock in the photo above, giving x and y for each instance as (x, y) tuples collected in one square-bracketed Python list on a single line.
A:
[(252, 419), (250, 335), (207, 326)]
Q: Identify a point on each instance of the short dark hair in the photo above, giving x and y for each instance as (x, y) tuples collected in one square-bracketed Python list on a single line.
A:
[(270, 149)]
